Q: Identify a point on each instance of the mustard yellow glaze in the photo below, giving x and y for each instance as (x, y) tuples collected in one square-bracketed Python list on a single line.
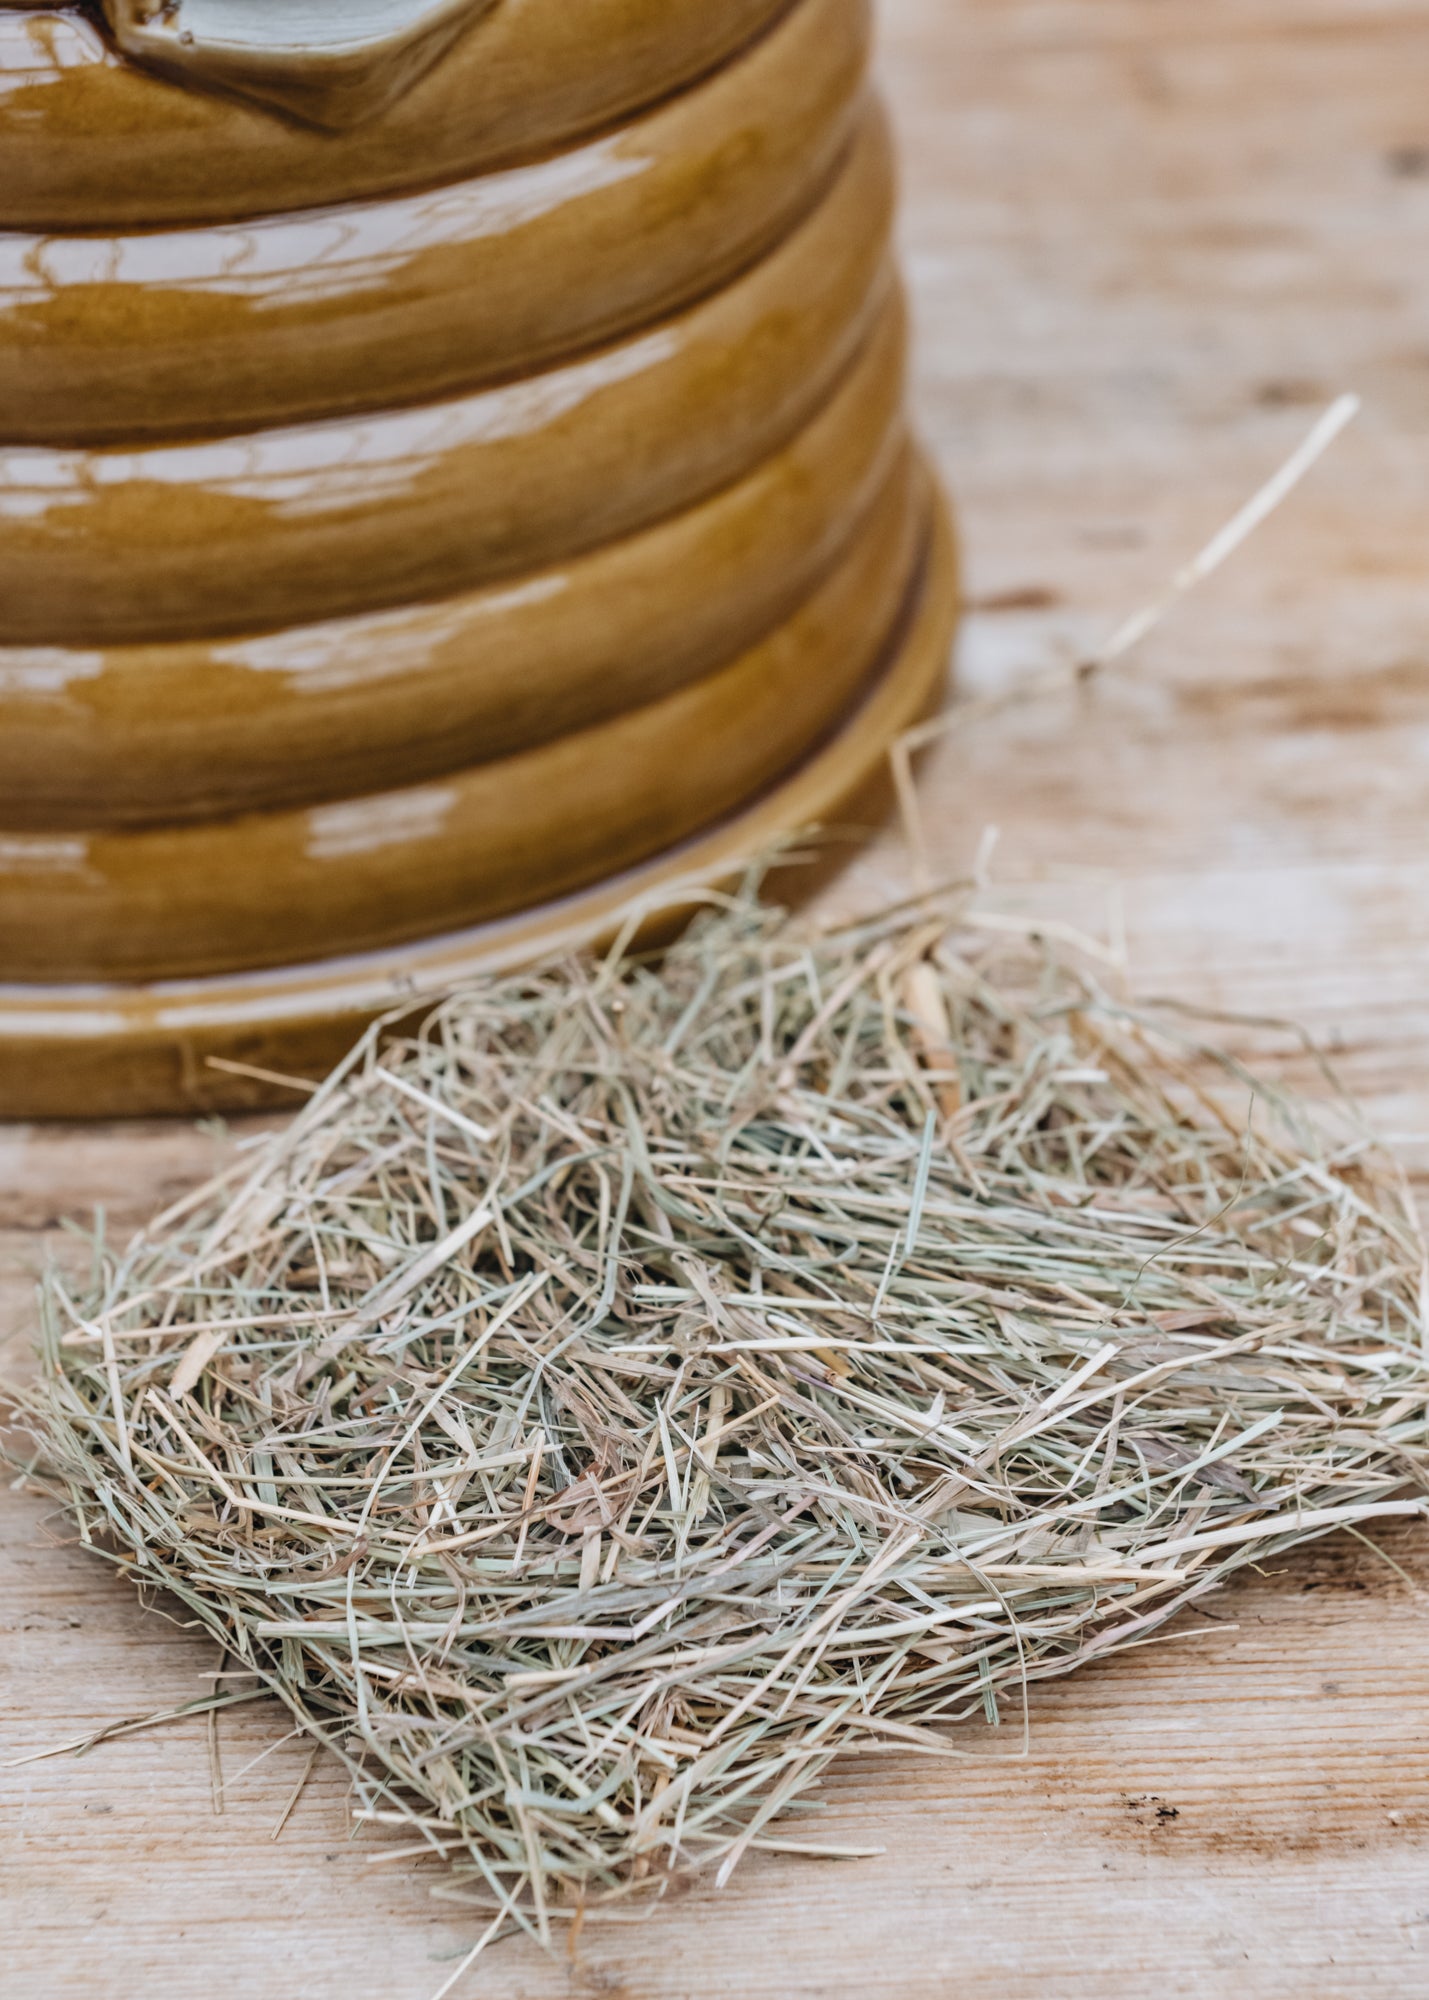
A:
[(130, 1050), (287, 318), (95, 737), (367, 872), (89, 141), (321, 520)]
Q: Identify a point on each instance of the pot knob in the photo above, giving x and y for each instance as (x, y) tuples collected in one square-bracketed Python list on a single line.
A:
[(331, 63)]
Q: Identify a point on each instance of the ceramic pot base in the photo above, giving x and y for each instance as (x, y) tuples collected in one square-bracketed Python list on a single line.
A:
[(137, 1050)]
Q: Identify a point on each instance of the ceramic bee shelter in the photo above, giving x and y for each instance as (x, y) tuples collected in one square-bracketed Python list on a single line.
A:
[(453, 479)]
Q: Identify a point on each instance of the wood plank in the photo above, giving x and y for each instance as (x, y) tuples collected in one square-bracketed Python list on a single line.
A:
[(1146, 245)]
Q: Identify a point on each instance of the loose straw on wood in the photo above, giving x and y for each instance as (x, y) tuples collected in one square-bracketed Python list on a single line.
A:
[(645, 1383), (1129, 634)]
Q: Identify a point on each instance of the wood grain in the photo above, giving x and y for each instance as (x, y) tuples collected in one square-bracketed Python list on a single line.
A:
[(1147, 242)]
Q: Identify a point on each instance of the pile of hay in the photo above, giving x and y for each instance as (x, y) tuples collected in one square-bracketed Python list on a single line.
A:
[(652, 1380)]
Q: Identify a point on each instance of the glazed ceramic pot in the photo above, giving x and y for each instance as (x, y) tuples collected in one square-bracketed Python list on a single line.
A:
[(425, 519)]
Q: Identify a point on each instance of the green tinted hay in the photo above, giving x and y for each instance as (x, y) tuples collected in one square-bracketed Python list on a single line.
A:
[(650, 1381)]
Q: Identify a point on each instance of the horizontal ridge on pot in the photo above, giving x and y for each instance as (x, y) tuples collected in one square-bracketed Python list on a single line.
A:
[(189, 728), (292, 317), (89, 141), (357, 514), (362, 873)]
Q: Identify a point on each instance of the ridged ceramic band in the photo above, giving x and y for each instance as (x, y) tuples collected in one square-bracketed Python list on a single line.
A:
[(105, 1051), (90, 142), (318, 521), (92, 738), (143, 1049), (290, 318), (267, 889)]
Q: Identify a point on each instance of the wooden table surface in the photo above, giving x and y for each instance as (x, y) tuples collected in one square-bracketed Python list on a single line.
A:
[(1148, 239)]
